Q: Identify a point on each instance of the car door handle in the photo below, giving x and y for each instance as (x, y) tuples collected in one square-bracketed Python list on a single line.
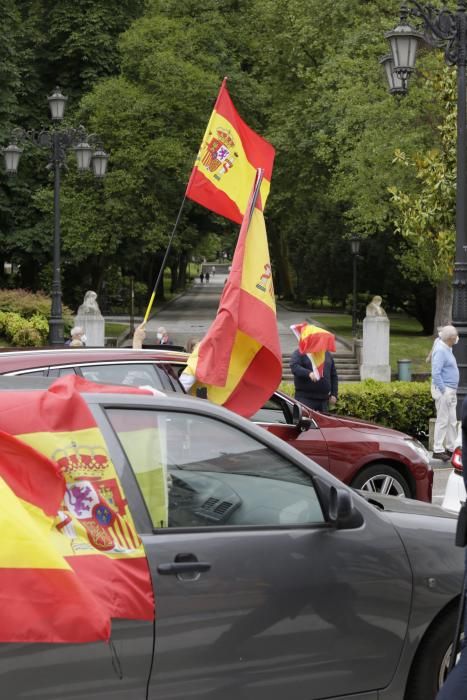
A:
[(182, 567)]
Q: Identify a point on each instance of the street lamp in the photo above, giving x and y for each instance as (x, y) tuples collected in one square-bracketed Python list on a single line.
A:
[(355, 248), (58, 140), (445, 29)]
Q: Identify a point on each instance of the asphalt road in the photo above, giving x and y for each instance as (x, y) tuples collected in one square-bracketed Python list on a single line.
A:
[(441, 476)]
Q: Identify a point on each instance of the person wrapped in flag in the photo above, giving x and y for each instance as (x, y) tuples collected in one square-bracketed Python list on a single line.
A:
[(313, 368)]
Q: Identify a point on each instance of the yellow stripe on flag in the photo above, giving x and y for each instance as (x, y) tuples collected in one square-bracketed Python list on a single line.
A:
[(257, 278), (26, 534), (238, 188), (244, 351)]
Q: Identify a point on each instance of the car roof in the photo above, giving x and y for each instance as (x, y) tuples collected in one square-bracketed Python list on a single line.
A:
[(15, 360)]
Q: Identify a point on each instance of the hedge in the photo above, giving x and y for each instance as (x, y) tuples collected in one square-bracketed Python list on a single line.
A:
[(405, 406), (23, 317)]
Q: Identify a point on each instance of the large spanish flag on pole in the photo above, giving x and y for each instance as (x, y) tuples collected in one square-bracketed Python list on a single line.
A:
[(239, 360), (226, 165), (71, 558)]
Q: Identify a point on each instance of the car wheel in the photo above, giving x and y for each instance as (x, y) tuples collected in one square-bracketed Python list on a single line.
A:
[(431, 663), (381, 478)]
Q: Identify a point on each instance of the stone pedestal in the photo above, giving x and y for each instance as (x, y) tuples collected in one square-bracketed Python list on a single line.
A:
[(94, 330), (91, 321), (375, 351)]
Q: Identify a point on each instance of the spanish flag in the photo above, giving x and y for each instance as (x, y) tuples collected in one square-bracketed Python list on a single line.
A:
[(239, 360), (226, 165), (314, 342), (70, 558), (41, 597)]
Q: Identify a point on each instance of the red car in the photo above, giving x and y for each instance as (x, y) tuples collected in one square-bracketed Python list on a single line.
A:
[(366, 456)]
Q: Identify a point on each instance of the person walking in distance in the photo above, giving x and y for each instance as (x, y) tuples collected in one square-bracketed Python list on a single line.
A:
[(444, 383), (201, 277)]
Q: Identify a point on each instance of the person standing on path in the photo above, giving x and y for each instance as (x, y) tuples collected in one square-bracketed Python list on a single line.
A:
[(445, 380)]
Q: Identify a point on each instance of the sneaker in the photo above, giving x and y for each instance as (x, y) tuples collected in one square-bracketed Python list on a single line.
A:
[(449, 452), (444, 456)]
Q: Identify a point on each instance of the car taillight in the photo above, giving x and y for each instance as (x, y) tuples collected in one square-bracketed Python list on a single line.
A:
[(456, 459)]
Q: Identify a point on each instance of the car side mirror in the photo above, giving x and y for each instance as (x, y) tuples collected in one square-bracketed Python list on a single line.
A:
[(338, 506), (299, 420)]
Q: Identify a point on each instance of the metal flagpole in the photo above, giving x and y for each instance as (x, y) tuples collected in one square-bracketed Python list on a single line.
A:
[(166, 255)]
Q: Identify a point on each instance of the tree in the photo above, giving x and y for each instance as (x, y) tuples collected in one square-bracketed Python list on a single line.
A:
[(426, 218)]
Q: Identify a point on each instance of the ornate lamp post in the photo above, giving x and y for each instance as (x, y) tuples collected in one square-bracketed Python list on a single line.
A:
[(355, 248), (445, 29), (58, 141)]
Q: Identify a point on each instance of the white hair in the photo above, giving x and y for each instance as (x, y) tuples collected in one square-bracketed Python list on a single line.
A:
[(447, 332), (76, 330)]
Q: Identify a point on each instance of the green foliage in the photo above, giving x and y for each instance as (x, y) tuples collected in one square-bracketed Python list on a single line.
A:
[(404, 406), (23, 317), (426, 218), (28, 304), (144, 74), (24, 332)]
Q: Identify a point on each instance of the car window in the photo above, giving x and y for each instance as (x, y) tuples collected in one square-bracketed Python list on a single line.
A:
[(170, 377), (61, 371), (273, 411), (130, 374), (196, 471), (40, 372)]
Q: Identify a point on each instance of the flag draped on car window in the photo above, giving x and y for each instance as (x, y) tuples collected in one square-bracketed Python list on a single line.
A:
[(226, 165), (314, 341), (70, 558), (239, 359)]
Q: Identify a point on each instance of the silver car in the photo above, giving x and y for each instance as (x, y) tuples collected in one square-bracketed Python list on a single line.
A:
[(272, 579)]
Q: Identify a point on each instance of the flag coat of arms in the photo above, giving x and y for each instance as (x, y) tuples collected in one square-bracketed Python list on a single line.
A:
[(239, 360), (71, 559), (227, 162)]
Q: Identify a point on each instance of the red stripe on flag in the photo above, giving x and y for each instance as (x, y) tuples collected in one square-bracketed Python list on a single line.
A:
[(259, 152), (211, 197), (30, 475), (237, 310), (52, 611), (60, 408), (253, 390), (259, 320), (123, 586)]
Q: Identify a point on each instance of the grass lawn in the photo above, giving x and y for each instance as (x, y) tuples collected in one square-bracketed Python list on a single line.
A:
[(406, 340), (113, 330)]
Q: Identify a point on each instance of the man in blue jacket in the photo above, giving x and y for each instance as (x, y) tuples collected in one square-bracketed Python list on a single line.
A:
[(313, 392)]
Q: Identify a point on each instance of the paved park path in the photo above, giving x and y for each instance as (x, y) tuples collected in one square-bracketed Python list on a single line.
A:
[(191, 314)]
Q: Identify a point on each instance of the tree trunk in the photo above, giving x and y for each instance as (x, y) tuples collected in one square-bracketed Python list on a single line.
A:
[(173, 267), (443, 315), (182, 265), (283, 281)]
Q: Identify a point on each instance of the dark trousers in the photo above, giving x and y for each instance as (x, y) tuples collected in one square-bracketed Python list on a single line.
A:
[(316, 404)]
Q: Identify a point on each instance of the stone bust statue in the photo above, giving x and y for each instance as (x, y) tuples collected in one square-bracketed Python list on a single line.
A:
[(374, 308), (89, 307)]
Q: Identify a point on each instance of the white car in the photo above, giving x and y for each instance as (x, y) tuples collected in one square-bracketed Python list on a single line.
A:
[(455, 494)]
